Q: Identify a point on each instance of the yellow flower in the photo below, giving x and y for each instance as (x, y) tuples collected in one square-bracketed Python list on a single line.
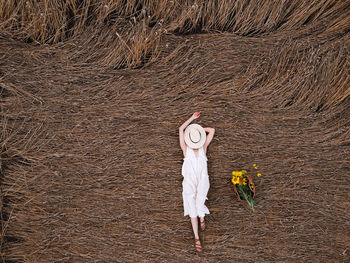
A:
[(256, 167), (235, 180), (258, 175), (254, 164), (244, 181), (236, 173)]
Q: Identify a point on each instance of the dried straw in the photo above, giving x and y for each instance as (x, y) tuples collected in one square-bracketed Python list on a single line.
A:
[(92, 94)]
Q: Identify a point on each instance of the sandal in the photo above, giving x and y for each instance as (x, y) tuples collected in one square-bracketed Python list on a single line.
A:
[(202, 223), (198, 245)]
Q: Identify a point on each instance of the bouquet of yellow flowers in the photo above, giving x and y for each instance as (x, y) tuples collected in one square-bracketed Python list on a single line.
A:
[(243, 186)]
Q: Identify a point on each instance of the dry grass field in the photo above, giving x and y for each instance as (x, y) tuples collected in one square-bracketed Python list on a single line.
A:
[(92, 95)]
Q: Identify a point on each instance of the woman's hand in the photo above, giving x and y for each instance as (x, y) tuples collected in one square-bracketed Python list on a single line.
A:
[(196, 115)]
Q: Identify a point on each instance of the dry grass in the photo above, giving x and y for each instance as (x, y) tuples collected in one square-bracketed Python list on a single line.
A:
[(92, 94)]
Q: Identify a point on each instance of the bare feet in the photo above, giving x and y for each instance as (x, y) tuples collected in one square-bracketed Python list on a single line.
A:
[(198, 245)]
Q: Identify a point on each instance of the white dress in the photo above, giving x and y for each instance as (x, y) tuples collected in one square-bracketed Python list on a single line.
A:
[(195, 183)]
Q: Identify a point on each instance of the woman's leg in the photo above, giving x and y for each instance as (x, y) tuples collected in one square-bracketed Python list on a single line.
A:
[(194, 222), (197, 242), (202, 222), (202, 192)]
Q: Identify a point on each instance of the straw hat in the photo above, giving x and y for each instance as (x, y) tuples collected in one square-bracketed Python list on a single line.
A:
[(195, 136)]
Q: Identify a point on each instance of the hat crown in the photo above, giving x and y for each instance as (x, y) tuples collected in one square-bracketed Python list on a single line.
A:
[(195, 135)]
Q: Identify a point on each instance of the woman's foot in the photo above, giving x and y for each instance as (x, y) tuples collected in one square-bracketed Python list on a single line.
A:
[(202, 223), (198, 245)]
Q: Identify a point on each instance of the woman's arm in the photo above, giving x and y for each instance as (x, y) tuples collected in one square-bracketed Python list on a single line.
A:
[(211, 132), (182, 128)]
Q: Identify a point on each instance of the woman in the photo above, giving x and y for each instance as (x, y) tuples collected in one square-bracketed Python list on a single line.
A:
[(194, 142)]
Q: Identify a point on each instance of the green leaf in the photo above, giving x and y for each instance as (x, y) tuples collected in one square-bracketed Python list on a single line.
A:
[(246, 194)]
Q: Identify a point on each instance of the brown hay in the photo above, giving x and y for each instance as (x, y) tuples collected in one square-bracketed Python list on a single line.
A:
[(92, 94)]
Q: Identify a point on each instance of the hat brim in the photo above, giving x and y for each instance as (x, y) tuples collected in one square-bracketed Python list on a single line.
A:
[(203, 136)]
